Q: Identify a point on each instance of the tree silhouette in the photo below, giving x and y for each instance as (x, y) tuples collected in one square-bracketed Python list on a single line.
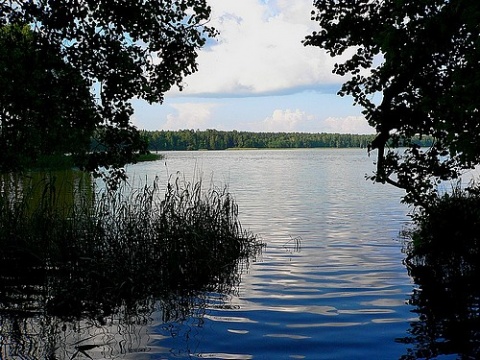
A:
[(116, 50), (45, 104), (422, 58)]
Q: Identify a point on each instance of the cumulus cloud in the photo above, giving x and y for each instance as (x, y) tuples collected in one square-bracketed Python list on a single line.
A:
[(348, 125), (259, 50), (261, 76), (301, 121), (285, 121), (189, 116)]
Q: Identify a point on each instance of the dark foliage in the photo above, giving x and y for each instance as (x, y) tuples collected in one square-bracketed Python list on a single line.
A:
[(221, 140), (68, 68), (93, 257), (443, 258), (422, 57), (45, 104), (450, 226)]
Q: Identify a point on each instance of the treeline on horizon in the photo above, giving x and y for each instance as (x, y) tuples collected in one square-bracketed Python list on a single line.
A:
[(164, 140)]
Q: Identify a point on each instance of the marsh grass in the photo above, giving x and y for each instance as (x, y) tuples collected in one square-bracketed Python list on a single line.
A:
[(105, 250)]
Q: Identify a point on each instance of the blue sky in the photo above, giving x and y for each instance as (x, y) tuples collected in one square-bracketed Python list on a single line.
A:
[(257, 76)]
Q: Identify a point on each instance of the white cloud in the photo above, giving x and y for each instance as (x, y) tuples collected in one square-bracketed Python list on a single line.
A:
[(135, 121), (285, 121), (296, 11), (301, 121), (259, 50), (189, 116), (348, 125)]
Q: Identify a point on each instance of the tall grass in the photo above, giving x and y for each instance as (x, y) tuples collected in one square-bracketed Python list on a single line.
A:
[(106, 250)]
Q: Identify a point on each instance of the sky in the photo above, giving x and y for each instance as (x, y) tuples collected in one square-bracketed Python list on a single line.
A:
[(258, 76)]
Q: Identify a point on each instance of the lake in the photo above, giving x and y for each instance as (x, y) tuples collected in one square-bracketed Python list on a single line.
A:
[(330, 283)]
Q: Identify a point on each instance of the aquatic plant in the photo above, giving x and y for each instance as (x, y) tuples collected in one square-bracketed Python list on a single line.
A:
[(99, 257), (107, 249), (450, 225)]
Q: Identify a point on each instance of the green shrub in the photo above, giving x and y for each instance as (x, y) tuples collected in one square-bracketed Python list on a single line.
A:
[(448, 232)]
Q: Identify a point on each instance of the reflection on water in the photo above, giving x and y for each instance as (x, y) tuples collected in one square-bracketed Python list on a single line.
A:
[(343, 294), (32, 328), (330, 284), (39, 335), (447, 302), (71, 286)]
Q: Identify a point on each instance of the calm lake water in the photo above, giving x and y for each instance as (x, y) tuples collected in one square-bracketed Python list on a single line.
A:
[(330, 283)]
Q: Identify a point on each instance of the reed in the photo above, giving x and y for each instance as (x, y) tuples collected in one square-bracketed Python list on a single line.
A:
[(110, 249)]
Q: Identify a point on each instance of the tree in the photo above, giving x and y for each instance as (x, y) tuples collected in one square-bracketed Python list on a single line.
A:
[(423, 57), (45, 105), (117, 50)]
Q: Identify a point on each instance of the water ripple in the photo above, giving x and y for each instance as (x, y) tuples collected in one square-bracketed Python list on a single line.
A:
[(336, 292)]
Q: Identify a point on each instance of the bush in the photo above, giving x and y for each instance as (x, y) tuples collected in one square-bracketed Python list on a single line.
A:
[(449, 229)]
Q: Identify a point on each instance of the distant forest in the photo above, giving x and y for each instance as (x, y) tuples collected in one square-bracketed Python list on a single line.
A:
[(220, 140)]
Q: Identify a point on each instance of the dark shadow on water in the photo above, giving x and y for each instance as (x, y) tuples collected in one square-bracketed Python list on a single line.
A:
[(48, 314), (83, 281), (447, 303)]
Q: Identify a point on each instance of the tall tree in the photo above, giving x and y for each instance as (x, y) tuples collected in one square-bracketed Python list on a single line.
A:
[(423, 57), (116, 50), (45, 105)]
